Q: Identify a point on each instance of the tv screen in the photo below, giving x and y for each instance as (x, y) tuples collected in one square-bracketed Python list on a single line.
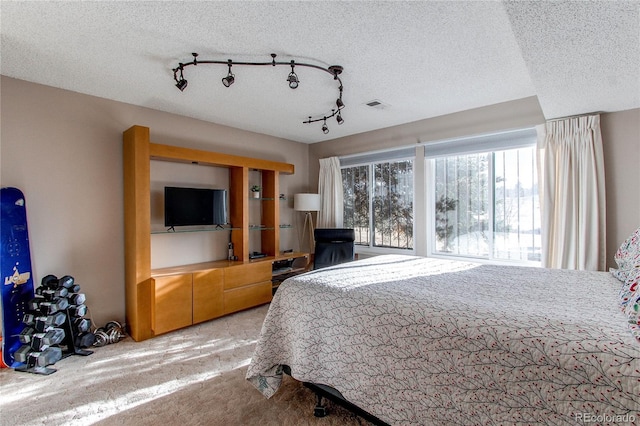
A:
[(194, 206)]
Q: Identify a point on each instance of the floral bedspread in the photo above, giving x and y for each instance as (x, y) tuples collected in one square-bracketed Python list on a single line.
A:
[(425, 341)]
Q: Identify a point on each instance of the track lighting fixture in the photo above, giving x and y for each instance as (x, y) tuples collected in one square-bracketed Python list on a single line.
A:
[(292, 79), (182, 83), (230, 78)]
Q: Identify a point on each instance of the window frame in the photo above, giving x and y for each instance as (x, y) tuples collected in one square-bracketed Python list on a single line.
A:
[(370, 160), (526, 138)]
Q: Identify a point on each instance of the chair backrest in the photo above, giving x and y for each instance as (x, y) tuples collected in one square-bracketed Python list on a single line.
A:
[(333, 246)]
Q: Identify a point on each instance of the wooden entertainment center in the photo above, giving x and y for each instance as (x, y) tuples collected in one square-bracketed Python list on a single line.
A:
[(166, 299)]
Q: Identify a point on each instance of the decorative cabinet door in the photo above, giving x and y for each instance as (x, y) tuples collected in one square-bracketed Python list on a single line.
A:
[(172, 307), (207, 295)]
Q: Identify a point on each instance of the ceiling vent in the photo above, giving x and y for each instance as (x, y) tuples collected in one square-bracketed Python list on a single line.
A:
[(377, 104)]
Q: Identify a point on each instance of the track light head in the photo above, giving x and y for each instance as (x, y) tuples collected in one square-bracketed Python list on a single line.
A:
[(339, 103), (325, 129), (230, 78), (293, 78), (339, 119), (182, 84)]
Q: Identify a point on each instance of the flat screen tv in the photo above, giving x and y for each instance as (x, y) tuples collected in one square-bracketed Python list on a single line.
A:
[(194, 206)]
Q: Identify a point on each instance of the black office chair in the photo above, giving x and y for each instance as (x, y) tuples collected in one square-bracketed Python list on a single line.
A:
[(333, 246)]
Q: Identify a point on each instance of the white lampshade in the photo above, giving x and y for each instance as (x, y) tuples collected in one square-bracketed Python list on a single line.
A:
[(306, 202)]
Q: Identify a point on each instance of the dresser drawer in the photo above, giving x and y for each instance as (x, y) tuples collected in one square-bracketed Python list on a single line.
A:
[(248, 296), (250, 273)]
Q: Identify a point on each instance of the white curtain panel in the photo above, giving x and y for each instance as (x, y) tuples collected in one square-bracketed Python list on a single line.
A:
[(331, 197), (572, 193)]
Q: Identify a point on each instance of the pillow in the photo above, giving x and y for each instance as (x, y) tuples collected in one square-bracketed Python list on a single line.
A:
[(627, 257), (629, 288), (632, 304), (622, 276)]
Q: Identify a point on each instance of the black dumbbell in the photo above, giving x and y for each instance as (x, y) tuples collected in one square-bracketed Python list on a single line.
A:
[(25, 335), (49, 281), (82, 324), (29, 319), (50, 294), (76, 298), (50, 355), (48, 308), (22, 353), (85, 340), (34, 304), (45, 322), (42, 341), (67, 281), (77, 310)]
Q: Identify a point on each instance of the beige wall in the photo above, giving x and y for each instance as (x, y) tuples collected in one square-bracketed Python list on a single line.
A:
[(64, 150), (621, 144), (508, 115)]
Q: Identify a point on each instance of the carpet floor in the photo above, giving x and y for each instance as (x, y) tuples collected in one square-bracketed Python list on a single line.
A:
[(193, 376)]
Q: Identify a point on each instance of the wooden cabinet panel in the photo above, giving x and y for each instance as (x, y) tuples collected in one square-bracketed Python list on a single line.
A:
[(172, 307), (240, 275), (248, 296), (161, 301), (207, 295)]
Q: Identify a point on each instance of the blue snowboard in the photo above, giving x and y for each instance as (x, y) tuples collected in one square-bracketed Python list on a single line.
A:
[(15, 265)]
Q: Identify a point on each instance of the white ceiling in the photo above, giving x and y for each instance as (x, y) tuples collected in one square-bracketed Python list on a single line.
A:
[(423, 59)]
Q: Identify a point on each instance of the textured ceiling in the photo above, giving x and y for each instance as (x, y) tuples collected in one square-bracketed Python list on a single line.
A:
[(421, 59)]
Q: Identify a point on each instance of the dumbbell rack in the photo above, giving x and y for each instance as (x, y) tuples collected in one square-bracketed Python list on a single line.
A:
[(67, 346)]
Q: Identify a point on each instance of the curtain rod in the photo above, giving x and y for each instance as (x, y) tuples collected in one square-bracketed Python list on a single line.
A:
[(576, 116)]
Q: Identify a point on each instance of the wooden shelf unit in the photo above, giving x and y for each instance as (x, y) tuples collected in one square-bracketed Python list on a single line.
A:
[(161, 300)]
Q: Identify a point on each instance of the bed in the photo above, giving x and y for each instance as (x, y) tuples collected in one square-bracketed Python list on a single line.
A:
[(424, 341)]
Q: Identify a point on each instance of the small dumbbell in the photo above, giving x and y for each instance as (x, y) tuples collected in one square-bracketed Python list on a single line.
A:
[(29, 319), (49, 356), (77, 310), (51, 294), (44, 323), (52, 337), (25, 335), (84, 340), (22, 353), (112, 332), (82, 324), (76, 298), (34, 304), (49, 281), (48, 308), (67, 281)]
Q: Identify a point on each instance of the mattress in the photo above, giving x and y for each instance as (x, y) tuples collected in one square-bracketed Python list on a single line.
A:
[(416, 340)]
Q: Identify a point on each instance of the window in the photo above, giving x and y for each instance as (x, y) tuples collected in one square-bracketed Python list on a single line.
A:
[(355, 183), (378, 200), (485, 204)]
